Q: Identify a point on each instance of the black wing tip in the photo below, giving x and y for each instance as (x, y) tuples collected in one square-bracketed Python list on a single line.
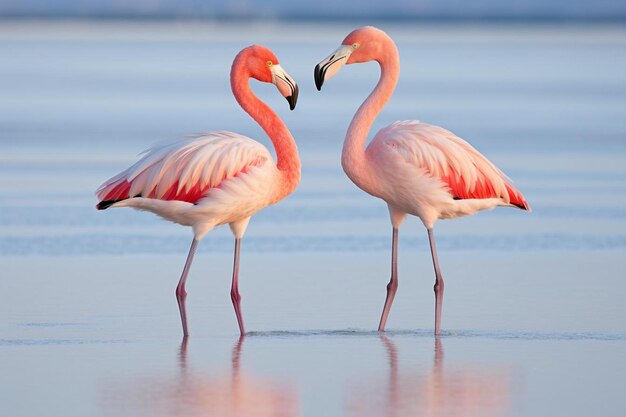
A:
[(523, 206), (103, 205)]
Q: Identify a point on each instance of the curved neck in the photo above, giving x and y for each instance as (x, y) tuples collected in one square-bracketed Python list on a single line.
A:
[(353, 154), (287, 159)]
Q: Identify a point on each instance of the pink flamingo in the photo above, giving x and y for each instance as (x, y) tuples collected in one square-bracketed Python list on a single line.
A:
[(218, 177), (418, 169)]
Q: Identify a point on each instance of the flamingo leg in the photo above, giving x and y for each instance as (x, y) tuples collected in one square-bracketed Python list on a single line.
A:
[(181, 293), (438, 282), (392, 287), (234, 289)]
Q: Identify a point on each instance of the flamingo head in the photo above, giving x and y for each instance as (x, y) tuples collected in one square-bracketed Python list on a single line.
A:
[(263, 65), (361, 45)]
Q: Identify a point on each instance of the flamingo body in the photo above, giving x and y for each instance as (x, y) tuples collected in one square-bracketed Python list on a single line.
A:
[(429, 172), (214, 179), (219, 177), (416, 168)]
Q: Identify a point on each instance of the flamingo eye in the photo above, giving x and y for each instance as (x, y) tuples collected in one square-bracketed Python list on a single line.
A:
[(269, 63), (355, 45)]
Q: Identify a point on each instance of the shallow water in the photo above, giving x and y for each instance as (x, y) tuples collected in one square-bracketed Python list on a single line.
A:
[(534, 320)]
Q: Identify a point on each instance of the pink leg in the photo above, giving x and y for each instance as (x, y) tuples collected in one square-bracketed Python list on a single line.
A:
[(234, 289), (438, 283), (181, 293), (392, 287)]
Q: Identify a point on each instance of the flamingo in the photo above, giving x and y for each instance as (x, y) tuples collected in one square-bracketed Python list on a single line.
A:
[(219, 177), (416, 168)]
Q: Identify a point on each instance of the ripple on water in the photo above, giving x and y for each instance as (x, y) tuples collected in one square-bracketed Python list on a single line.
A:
[(55, 342), (448, 334)]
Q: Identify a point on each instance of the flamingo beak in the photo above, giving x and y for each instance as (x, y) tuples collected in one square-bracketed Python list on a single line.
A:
[(331, 65), (285, 84)]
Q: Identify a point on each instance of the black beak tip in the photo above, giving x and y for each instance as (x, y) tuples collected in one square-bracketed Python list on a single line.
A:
[(293, 98), (319, 77)]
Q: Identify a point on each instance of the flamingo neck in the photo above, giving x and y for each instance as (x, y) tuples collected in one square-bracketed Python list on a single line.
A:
[(353, 158), (287, 159)]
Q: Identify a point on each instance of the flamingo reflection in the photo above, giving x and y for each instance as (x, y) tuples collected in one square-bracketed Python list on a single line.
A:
[(441, 391), (233, 394)]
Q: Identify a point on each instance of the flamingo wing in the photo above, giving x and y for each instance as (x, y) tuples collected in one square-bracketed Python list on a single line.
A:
[(464, 170), (184, 170)]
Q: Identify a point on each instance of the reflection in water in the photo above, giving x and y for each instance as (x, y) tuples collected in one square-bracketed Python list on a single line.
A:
[(438, 392), (192, 393)]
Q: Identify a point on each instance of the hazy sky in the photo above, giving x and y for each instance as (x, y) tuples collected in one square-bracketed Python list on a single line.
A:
[(482, 9)]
